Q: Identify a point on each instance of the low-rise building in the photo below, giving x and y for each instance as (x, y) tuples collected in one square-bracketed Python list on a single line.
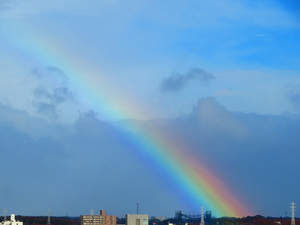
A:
[(12, 221), (137, 219)]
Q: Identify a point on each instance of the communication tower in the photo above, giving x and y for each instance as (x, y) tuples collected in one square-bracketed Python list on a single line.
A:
[(202, 216), (293, 213), (48, 221)]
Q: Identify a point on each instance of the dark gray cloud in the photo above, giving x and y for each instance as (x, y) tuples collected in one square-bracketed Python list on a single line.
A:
[(32, 126), (51, 92), (55, 96), (61, 94), (293, 95), (87, 164), (252, 153), (177, 81), (295, 99), (51, 73), (256, 155), (46, 109)]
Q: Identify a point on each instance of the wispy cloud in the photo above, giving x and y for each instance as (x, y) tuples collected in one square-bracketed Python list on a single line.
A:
[(177, 81)]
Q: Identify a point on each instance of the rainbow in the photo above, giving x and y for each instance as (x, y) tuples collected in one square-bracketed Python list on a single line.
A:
[(193, 180)]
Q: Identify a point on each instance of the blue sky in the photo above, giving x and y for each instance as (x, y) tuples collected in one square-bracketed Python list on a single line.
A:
[(230, 66)]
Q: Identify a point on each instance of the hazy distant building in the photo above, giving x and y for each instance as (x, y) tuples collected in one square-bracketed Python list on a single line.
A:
[(12, 221), (137, 219), (160, 218), (101, 219)]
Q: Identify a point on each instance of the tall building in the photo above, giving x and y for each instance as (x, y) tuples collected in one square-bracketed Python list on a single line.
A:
[(101, 219), (137, 219), (12, 221)]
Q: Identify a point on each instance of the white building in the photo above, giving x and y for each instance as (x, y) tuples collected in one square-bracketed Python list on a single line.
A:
[(12, 221), (137, 219)]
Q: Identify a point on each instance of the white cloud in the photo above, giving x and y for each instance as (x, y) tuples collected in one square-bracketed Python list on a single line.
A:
[(214, 119)]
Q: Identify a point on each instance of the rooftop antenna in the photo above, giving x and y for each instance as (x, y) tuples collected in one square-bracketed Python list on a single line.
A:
[(137, 208), (293, 213), (48, 221), (92, 215), (202, 216)]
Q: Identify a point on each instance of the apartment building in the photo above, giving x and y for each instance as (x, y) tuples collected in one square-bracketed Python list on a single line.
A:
[(101, 219)]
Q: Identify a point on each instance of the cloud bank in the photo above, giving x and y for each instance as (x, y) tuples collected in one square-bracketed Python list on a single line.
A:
[(252, 153)]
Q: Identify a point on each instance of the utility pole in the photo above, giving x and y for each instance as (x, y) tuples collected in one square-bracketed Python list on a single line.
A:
[(137, 208), (48, 221), (5, 211)]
